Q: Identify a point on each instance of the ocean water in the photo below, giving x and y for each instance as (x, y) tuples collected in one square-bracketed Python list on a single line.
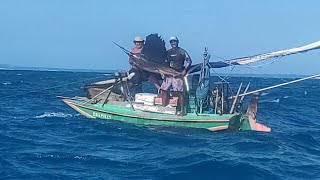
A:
[(42, 138)]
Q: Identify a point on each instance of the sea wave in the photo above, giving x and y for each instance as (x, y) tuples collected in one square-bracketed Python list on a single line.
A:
[(54, 114), (42, 137), (6, 83), (277, 100), (57, 156)]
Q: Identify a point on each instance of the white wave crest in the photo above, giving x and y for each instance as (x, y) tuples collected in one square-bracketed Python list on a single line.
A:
[(6, 83), (56, 156), (264, 94), (54, 114), (276, 100)]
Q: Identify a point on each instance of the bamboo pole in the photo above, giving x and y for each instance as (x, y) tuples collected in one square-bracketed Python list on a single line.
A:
[(235, 99), (97, 95), (112, 81), (245, 91), (279, 85)]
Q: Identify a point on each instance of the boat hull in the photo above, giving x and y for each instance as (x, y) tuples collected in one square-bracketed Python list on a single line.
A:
[(125, 113)]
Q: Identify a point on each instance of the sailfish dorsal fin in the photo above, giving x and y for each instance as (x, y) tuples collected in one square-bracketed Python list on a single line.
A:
[(154, 49)]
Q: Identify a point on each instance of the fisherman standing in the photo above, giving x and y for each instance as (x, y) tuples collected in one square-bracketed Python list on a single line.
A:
[(176, 58), (139, 43), (135, 84)]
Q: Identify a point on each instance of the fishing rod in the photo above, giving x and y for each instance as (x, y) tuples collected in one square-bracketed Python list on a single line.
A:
[(124, 50)]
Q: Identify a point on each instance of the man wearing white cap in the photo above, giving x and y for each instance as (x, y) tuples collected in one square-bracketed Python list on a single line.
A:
[(176, 58), (135, 83), (139, 43)]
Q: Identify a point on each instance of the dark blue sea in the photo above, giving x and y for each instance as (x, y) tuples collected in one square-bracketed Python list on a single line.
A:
[(43, 138)]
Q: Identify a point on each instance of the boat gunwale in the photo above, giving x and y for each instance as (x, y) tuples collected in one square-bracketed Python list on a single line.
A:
[(71, 102)]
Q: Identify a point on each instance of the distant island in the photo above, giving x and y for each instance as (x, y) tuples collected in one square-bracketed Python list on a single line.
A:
[(11, 67)]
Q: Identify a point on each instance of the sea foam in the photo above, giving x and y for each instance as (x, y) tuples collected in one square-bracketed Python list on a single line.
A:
[(54, 114)]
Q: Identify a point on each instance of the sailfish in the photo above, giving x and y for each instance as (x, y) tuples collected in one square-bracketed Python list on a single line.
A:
[(153, 57)]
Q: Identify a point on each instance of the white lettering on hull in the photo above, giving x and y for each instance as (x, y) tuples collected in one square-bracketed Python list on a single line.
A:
[(101, 115)]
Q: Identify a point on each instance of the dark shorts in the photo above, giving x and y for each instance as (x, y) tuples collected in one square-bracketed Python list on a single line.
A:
[(135, 89), (172, 83), (139, 76)]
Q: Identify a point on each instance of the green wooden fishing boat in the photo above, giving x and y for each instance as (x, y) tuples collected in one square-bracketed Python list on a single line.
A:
[(214, 107), (138, 113), (223, 115)]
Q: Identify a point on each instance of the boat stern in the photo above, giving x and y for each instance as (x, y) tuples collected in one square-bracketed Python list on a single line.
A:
[(249, 121)]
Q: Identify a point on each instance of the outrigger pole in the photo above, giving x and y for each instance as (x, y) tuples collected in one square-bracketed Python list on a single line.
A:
[(98, 95), (109, 88), (279, 85)]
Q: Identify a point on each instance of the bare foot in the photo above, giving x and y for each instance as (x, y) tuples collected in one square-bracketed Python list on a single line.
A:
[(180, 114)]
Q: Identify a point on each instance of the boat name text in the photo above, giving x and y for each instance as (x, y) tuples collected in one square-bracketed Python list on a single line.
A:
[(101, 115)]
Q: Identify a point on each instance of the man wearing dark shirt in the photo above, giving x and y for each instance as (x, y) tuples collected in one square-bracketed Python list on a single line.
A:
[(176, 58)]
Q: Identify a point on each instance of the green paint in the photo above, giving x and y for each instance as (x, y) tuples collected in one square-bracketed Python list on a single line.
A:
[(245, 125), (125, 114)]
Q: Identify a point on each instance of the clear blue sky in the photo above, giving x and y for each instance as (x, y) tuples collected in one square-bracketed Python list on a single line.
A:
[(78, 33)]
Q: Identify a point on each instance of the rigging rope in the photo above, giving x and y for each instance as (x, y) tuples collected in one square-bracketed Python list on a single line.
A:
[(261, 65), (223, 78)]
